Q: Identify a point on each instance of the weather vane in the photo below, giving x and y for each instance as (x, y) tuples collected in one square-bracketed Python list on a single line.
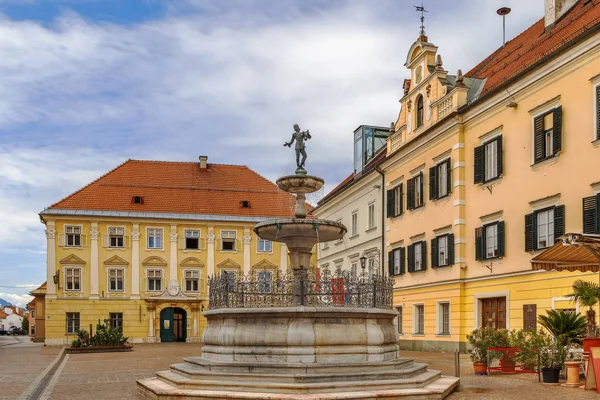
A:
[(423, 11)]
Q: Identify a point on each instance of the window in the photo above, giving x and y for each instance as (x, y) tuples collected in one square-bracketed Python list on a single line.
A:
[(547, 134), (232, 279), (155, 238), (358, 151), (116, 237), (394, 201), (154, 280), (228, 239), (419, 111), (440, 180), (115, 280), (72, 322), (264, 246), (355, 223), (73, 236), (396, 261), (442, 250), (192, 239), (324, 245), (419, 319), (597, 91), (444, 318), (399, 319), (371, 265), (414, 196), (73, 279), (354, 268), (264, 281), (591, 214), (32, 313), (371, 216), (488, 160), (245, 204), (417, 257), (543, 227), (192, 280), (137, 200), (489, 241), (116, 320)]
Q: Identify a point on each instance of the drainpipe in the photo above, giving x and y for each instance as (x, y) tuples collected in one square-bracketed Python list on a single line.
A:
[(382, 258)]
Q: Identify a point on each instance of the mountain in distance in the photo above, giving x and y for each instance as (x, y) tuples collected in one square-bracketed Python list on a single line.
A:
[(4, 303)]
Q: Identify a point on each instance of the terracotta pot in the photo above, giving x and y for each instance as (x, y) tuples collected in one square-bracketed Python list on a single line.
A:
[(590, 342), (480, 368), (507, 363), (572, 374), (586, 359)]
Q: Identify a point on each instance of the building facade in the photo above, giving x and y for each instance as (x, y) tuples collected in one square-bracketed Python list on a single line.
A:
[(137, 246), (11, 316), (486, 170)]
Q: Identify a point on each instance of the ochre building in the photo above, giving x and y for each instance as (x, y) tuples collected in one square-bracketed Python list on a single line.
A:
[(487, 169), (137, 246)]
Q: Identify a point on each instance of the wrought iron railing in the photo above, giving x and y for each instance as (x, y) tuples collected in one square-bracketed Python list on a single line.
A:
[(273, 288)]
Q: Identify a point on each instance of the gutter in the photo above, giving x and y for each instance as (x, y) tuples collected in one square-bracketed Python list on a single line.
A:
[(382, 259)]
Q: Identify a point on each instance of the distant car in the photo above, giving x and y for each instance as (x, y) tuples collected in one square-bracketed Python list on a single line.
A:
[(13, 330), (3, 331)]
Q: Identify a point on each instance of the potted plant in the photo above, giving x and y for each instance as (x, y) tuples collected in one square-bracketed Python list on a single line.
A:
[(587, 294), (501, 338), (570, 326), (552, 357), (530, 342), (479, 341)]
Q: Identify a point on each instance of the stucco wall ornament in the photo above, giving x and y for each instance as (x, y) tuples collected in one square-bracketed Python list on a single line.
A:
[(428, 89), (409, 105)]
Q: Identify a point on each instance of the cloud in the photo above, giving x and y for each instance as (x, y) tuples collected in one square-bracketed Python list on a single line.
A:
[(16, 299)]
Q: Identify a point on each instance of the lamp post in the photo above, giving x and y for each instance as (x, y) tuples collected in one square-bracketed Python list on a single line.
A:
[(373, 257)]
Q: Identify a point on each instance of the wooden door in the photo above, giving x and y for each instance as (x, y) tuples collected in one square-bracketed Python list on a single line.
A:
[(494, 313)]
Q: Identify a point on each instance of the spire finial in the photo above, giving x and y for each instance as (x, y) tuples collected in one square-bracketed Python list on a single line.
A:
[(422, 9)]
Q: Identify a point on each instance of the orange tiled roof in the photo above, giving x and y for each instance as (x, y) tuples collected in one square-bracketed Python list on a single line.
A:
[(534, 44), (182, 187), (3, 314)]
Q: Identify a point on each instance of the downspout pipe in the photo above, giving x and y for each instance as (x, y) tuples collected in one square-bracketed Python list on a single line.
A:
[(382, 258)]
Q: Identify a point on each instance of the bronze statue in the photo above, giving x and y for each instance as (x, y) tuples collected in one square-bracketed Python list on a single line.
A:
[(299, 136)]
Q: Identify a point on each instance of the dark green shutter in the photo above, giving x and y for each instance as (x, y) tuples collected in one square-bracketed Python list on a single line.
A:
[(411, 258), (410, 194), (501, 239), (449, 176), (479, 244), (499, 157), (529, 232), (559, 222), (424, 254), (598, 112), (434, 253), (390, 203), (402, 260), (433, 187), (538, 138), (451, 249), (479, 167), (391, 263), (557, 131), (590, 214), (422, 197)]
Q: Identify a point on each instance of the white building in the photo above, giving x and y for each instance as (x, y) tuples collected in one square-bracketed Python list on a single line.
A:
[(10, 316), (358, 203)]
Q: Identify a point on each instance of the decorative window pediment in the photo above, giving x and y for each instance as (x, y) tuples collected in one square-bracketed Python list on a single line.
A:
[(228, 263), (72, 259), (154, 261), (192, 262), (264, 264), (116, 260)]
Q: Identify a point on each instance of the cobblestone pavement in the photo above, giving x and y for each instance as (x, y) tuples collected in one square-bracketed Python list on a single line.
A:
[(113, 375)]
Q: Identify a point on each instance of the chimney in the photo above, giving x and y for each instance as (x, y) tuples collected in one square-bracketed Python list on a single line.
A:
[(555, 9), (203, 162)]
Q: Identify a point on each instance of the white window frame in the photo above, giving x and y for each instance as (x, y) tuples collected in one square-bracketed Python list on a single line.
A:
[(494, 243), (264, 247), (442, 262), (67, 276), (440, 317), (397, 200), (595, 133), (71, 327), (371, 216), (110, 236), (545, 110), (397, 261), (148, 236), (549, 228), (354, 268), (442, 177), (186, 237), (490, 151), (419, 260), (228, 237), (66, 243), (192, 278), (354, 223), (162, 274), (418, 179), (108, 276), (399, 318), (416, 324)]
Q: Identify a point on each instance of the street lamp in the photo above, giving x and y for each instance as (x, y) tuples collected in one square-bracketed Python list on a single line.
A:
[(363, 261)]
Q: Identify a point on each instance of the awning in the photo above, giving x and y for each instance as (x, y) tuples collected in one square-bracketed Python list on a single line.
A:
[(571, 252)]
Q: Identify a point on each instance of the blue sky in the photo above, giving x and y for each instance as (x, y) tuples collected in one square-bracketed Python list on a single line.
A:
[(87, 84)]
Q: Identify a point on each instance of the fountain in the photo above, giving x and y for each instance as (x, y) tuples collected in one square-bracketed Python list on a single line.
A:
[(300, 333)]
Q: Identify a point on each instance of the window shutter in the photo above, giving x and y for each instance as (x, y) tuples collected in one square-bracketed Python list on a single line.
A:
[(410, 194), (529, 236), (451, 249), (559, 222), (499, 155), (557, 130), (422, 197), (598, 213), (479, 167), (434, 253), (411, 258), (590, 214), (598, 112), (433, 189), (500, 239), (424, 254), (449, 176), (390, 203), (391, 263), (401, 199), (538, 137), (402, 260), (479, 244)]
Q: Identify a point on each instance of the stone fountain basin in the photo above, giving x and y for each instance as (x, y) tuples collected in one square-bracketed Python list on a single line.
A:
[(300, 183), (300, 232)]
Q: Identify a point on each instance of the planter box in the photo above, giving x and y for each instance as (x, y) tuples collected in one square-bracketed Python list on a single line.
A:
[(98, 349)]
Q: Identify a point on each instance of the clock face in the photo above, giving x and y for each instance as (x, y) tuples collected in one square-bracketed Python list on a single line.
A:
[(173, 288)]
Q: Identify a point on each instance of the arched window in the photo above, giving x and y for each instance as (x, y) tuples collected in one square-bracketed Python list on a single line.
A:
[(419, 111)]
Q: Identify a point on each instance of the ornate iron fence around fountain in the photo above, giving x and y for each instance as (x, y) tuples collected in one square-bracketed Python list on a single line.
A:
[(274, 288)]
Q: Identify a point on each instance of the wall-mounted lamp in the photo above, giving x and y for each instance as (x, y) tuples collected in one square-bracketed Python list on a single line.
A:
[(363, 261), (56, 277)]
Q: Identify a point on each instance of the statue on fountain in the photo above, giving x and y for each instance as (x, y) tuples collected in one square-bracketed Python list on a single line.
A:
[(299, 136)]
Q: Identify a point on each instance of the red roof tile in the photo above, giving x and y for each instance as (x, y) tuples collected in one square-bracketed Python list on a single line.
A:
[(182, 187), (534, 44)]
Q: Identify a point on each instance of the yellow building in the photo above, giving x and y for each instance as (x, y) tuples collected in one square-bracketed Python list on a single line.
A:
[(136, 246), (486, 170)]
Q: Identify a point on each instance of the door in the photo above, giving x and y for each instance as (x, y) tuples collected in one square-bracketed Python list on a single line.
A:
[(179, 325), (494, 313), (166, 325)]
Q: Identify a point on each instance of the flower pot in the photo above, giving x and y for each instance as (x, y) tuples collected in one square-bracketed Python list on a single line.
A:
[(590, 342), (586, 359), (507, 363), (480, 368), (551, 375), (572, 374)]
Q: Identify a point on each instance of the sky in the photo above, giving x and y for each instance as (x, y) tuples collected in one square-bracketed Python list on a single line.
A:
[(88, 84)]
